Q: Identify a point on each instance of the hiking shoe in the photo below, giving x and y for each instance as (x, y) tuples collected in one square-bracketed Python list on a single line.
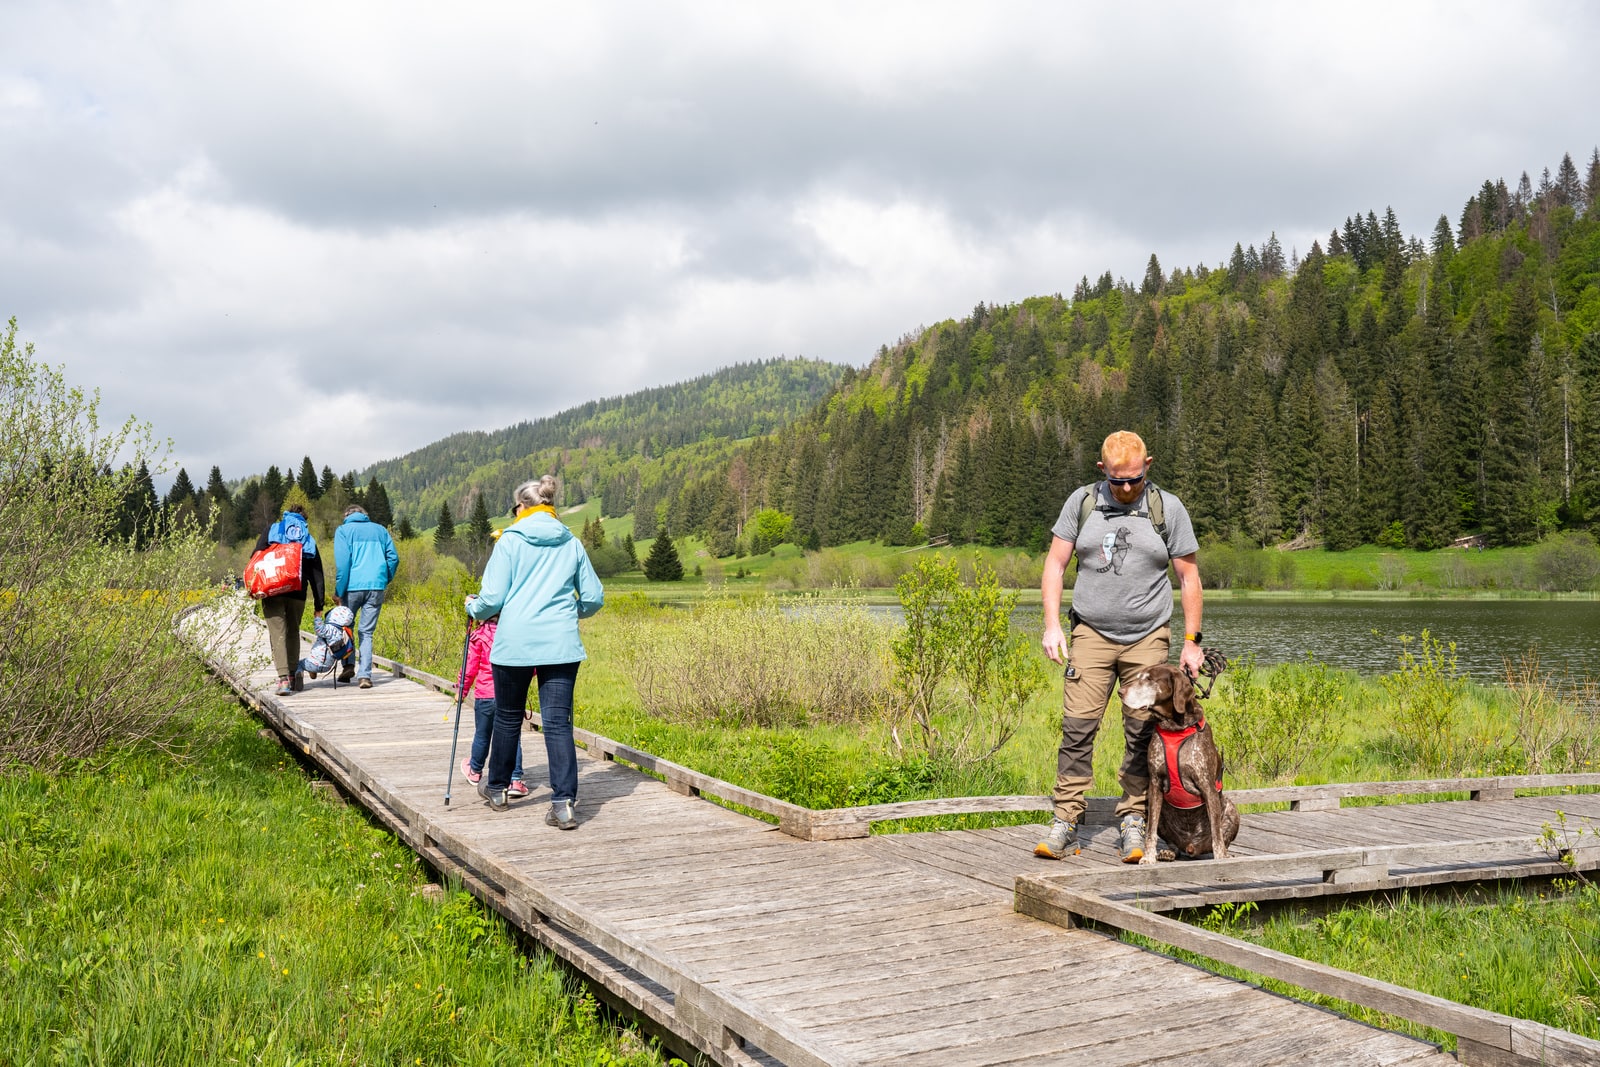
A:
[(298, 684), (1060, 841), (471, 775), (365, 683), (518, 789), (347, 674), (1130, 846), (285, 686), (496, 797), (563, 815)]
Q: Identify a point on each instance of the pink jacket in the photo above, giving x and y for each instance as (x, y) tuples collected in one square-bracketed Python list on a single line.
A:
[(477, 678)]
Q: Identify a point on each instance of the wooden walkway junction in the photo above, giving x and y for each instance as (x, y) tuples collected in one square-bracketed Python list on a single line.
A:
[(813, 942)]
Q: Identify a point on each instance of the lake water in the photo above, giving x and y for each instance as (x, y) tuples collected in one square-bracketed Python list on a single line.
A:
[(1359, 635)]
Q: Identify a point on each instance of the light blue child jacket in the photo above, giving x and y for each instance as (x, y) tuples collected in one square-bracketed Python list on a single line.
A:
[(540, 582)]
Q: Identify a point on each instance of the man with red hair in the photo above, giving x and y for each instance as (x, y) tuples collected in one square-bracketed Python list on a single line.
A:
[(1125, 532)]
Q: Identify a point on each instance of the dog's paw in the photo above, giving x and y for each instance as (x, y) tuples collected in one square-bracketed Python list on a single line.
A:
[(1148, 859), (1166, 855)]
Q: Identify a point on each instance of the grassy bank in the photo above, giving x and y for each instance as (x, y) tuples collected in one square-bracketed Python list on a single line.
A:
[(216, 909)]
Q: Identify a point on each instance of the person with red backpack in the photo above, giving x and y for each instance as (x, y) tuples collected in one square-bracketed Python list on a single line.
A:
[(286, 611)]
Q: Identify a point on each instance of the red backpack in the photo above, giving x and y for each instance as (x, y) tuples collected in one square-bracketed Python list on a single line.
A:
[(273, 571)]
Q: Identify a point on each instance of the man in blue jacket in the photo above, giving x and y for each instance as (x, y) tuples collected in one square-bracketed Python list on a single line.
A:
[(365, 556)]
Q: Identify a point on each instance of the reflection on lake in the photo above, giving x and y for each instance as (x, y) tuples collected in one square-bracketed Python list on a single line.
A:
[(1341, 632)]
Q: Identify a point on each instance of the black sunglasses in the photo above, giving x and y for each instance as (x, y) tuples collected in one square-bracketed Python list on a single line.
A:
[(1125, 481)]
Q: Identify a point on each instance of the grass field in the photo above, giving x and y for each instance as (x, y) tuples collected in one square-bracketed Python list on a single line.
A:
[(217, 909)]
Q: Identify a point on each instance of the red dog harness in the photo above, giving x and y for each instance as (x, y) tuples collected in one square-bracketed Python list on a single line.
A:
[(1176, 795)]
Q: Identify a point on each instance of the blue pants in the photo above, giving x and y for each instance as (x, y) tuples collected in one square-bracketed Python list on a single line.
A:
[(556, 683), (483, 717), (366, 603)]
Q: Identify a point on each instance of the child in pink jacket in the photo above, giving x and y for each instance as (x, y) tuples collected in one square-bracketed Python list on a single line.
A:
[(477, 679)]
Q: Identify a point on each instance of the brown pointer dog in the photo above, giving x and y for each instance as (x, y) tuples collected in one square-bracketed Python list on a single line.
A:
[(1191, 813)]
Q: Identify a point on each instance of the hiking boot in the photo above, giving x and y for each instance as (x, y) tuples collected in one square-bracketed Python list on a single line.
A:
[(285, 686), (471, 775), (496, 797), (1130, 846), (347, 674), (563, 815), (298, 684), (518, 789), (1060, 841), (365, 683)]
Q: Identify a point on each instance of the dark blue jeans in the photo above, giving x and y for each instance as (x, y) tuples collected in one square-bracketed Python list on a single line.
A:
[(556, 683), (483, 718)]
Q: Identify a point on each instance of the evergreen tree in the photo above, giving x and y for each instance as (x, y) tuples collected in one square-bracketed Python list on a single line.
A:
[(326, 482), (480, 528), (629, 547), (444, 532), (182, 491), (1591, 187), (274, 486), (308, 480), (376, 501), (1569, 187), (405, 531), (1152, 277), (663, 564)]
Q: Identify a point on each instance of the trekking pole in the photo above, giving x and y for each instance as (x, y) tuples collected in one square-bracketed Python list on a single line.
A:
[(461, 692)]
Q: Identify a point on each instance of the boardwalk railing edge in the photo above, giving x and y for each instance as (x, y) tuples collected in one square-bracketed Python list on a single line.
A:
[(834, 824), (711, 1020), (1483, 1037)]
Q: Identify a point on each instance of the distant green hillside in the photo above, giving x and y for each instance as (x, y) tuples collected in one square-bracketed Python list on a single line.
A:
[(1381, 390), (623, 445)]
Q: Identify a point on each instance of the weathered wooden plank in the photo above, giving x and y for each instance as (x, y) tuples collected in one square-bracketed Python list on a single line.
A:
[(1486, 1028)]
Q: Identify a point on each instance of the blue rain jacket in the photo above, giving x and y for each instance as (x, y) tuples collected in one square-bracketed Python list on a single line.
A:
[(540, 582), (364, 554)]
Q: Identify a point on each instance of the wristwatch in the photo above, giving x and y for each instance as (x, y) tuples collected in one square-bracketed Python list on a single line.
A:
[(1195, 637)]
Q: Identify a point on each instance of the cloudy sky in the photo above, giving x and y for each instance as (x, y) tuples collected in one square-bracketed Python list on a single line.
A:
[(432, 217)]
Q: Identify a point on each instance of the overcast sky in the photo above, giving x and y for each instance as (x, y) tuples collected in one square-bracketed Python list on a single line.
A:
[(434, 217)]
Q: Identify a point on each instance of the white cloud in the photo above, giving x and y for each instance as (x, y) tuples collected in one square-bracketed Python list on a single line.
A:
[(439, 218)]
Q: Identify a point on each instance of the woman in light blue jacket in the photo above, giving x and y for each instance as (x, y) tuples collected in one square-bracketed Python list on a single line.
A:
[(540, 582)]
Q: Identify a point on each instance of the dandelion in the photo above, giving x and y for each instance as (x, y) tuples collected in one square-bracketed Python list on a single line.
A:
[(261, 955), (286, 972)]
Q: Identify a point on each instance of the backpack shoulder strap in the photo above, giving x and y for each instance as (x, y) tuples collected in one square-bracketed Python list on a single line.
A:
[(1086, 508), (1158, 510)]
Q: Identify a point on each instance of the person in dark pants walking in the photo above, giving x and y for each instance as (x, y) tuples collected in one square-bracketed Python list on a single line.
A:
[(366, 560), (540, 582), (287, 611)]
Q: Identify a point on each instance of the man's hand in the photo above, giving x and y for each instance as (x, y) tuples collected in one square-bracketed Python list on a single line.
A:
[(1055, 643), (1191, 659)]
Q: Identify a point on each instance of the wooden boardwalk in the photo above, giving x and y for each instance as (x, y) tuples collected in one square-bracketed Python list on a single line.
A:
[(753, 947)]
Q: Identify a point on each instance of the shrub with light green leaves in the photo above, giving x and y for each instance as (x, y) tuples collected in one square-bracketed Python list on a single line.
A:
[(88, 583)]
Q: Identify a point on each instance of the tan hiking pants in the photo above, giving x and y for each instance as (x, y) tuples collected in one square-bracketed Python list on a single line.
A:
[(1100, 664)]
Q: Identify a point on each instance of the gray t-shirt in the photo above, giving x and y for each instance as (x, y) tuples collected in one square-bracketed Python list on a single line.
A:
[(1122, 589)]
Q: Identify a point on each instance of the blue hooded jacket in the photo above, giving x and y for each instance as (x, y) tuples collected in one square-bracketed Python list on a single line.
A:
[(364, 555), (540, 582)]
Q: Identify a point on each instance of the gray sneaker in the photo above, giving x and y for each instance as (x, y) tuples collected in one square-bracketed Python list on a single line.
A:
[(563, 815), (1060, 841), (1130, 847), (498, 801)]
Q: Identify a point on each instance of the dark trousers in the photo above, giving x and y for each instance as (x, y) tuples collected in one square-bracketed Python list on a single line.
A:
[(556, 684)]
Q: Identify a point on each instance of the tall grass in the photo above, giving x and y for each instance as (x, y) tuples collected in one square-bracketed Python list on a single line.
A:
[(219, 910)]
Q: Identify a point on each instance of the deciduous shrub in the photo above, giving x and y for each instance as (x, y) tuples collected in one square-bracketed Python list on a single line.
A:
[(963, 677), (1425, 694), (87, 651), (1272, 724), (1567, 562)]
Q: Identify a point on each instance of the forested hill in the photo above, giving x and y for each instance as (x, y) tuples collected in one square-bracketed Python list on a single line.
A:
[(1384, 389), (597, 439)]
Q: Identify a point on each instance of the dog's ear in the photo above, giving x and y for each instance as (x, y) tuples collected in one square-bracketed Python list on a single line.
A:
[(1183, 699)]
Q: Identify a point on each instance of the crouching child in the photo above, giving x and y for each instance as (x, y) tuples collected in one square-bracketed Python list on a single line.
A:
[(334, 644)]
